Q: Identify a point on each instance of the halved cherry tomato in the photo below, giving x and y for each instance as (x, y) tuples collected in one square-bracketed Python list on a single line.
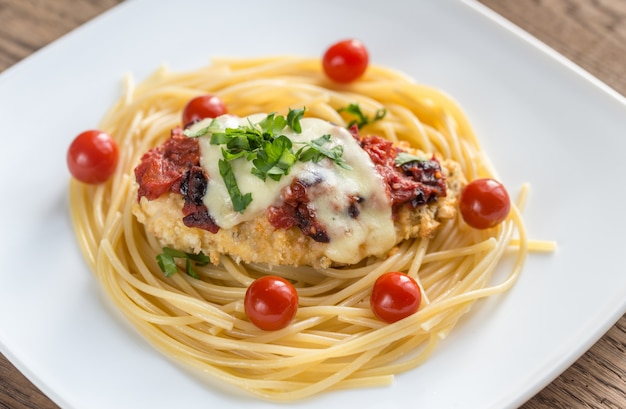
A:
[(204, 106), (395, 295), (484, 203), (345, 61), (92, 157), (271, 303)]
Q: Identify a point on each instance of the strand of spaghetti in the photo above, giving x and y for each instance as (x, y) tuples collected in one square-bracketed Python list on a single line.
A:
[(265, 364), (449, 236), (384, 74), (355, 345), (437, 277), (448, 128), (483, 269), (365, 281), (536, 246), (304, 274), (114, 237), (303, 324), (205, 311), (333, 310), (389, 363), (465, 290), (485, 245), (127, 144), (310, 338), (432, 99), (268, 66), (145, 271), (413, 270), (149, 313), (464, 153), (435, 137), (414, 127), (208, 290), (98, 209), (505, 285), (364, 322), (321, 288), (327, 376), (237, 272), (80, 222), (115, 204), (335, 378), (208, 77)]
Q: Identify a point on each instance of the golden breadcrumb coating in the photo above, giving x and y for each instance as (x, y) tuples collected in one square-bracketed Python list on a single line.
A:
[(257, 241)]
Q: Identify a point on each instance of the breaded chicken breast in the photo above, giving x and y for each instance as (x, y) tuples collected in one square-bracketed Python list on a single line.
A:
[(270, 189)]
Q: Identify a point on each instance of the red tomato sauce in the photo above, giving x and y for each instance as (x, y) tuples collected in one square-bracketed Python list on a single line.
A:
[(295, 212), (162, 168), (175, 167), (415, 183)]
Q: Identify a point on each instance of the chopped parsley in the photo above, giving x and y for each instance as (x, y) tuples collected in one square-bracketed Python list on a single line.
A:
[(267, 148), (167, 262), (315, 151), (293, 119), (361, 119), (403, 158), (275, 159), (240, 202)]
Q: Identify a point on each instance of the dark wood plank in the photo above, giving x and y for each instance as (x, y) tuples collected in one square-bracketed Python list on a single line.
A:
[(596, 380), (28, 25), (592, 33)]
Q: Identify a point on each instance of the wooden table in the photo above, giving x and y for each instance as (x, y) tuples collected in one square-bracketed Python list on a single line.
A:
[(592, 33)]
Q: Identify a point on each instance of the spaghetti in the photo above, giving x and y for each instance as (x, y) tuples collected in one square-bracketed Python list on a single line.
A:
[(335, 341)]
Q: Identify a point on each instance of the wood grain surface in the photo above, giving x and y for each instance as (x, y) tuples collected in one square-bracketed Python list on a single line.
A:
[(591, 33)]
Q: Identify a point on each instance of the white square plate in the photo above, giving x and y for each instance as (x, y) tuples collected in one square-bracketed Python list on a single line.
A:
[(541, 119)]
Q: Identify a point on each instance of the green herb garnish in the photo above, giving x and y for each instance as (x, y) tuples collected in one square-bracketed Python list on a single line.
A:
[(361, 119), (240, 202), (270, 151), (403, 158), (274, 159), (167, 262), (315, 151), (293, 119), (202, 131)]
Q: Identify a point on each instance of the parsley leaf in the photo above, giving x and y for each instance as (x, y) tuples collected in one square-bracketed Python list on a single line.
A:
[(361, 118), (293, 119), (403, 158), (275, 159), (272, 125), (167, 263), (240, 202), (315, 151), (202, 131)]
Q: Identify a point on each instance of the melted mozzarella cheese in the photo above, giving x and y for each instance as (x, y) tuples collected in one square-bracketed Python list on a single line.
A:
[(332, 192)]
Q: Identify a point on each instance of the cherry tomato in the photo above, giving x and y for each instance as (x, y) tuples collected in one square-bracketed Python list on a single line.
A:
[(345, 61), (204, 106), (271, 303), (92, 157), (395, 296), (484, 203)]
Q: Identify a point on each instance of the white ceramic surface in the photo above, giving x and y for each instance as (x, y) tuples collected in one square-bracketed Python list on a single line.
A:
[(541, 119)]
